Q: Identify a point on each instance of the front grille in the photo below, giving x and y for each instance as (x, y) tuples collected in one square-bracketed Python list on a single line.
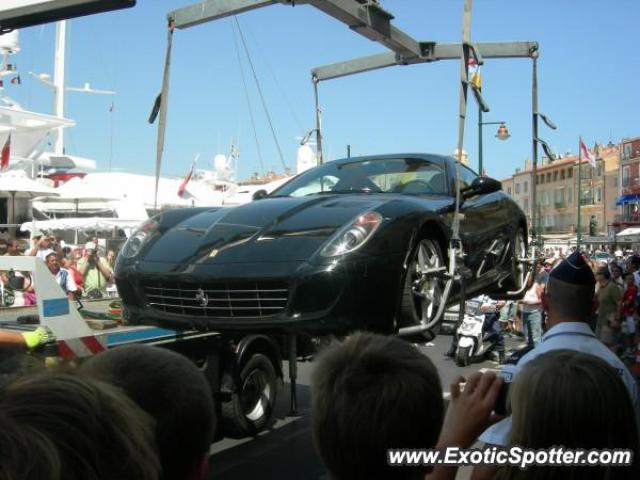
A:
[(217, 299)]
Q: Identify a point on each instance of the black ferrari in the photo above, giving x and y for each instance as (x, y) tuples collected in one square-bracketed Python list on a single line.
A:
[(343, 246)]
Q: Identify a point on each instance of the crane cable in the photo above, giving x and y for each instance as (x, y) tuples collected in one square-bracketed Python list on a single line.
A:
[(248, 98), (264, 105)]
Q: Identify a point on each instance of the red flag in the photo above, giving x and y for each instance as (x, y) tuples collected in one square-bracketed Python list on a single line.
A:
[(6, 153), (183, 186), (585, 153)]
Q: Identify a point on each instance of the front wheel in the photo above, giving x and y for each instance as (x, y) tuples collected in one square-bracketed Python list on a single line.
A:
[(422, 292), (463, 356), (518, 267), (254, 398)]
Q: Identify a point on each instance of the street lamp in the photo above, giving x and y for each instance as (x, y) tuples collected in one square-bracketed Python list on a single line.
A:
[(502, 134)]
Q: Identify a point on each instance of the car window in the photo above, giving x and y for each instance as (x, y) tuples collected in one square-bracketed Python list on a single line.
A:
[(326, 183), (467, 176), (376, 175), (423, 177)]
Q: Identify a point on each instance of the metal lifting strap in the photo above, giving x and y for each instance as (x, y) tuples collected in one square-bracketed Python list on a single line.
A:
[(315, 82), (455, 246), (464, 83), (162, 113)]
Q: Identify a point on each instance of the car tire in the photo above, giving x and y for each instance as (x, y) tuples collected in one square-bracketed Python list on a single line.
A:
[(420, 304), (518, 269), (253, 400), (463, 356)]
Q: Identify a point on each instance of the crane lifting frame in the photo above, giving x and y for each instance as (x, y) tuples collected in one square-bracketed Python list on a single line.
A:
[(369, 19)]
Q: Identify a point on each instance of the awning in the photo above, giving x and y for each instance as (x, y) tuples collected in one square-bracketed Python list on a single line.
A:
[(629, 231), (624, 199)]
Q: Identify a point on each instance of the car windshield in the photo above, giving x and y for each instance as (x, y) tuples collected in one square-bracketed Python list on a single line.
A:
[(387, 175)]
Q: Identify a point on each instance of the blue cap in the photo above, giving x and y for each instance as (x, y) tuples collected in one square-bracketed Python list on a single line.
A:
[(575, 270)]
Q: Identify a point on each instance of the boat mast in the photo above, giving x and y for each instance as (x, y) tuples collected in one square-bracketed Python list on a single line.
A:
[(58, 83)]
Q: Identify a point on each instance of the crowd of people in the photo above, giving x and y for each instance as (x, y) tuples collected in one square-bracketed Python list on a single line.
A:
[(84, 271), (615, 317), (372, 393), (144, 412)]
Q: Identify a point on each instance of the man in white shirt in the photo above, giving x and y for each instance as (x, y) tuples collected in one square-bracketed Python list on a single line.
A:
[(568, 299), (63, 276)]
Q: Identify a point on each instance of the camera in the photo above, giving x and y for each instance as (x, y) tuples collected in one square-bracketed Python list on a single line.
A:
[(507, 374)]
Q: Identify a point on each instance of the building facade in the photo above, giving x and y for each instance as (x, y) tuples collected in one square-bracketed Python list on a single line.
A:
[(628, 214), (557, 187), (522, 181)]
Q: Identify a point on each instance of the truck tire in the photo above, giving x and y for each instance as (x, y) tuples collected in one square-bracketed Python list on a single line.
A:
[(253, 400)]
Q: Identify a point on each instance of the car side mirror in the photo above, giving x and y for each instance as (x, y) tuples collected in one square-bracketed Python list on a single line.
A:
[(258, 194), (481, 186)]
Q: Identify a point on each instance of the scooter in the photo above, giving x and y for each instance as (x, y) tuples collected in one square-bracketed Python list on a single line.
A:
[(473, 343)]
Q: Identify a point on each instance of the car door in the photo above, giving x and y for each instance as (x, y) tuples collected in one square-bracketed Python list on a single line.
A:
[(482, 231)]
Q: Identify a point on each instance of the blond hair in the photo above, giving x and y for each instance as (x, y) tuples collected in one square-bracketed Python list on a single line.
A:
[(368, 394), (575, 400)]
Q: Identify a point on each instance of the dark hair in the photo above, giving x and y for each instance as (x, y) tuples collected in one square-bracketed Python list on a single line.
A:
[(604, 271), (371, 393), (569, 301), (83, 428), (173, 391)]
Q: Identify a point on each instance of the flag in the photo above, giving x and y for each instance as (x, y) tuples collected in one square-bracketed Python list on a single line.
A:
[(585, 153), (183, 186), (4, 156)]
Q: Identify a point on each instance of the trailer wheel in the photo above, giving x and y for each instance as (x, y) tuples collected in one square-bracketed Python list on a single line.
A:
[(252, 403)]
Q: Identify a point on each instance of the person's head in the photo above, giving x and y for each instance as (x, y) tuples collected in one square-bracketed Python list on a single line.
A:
[(175, 393), (548, 264), (111, 256), (603, 275), (45, 242), (368, 394), (68, 262), (573, 399), (90, 248), (13, 247), (61, 425), (568, 296), (52, 262), (615, 270), (629, 279)]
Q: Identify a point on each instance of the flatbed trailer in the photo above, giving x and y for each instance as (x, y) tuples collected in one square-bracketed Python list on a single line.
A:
[(244, 370)]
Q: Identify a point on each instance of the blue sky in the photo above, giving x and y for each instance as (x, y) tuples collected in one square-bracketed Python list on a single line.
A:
[(588, 79)]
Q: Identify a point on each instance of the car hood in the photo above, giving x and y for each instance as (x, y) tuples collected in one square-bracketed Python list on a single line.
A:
[(268, 230)]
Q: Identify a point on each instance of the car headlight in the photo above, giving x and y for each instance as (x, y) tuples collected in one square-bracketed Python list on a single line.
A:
[(134, 243), (353, 236)]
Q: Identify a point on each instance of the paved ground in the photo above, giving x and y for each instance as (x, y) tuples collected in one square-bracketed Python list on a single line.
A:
[(286, 451)]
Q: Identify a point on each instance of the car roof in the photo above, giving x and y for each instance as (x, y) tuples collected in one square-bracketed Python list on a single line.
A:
[(431, 157)]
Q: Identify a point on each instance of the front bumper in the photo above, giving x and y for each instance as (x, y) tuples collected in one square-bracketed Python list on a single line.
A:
[(277, 297)]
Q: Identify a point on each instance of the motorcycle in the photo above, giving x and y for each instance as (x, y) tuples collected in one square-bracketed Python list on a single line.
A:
[(473, 342)]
